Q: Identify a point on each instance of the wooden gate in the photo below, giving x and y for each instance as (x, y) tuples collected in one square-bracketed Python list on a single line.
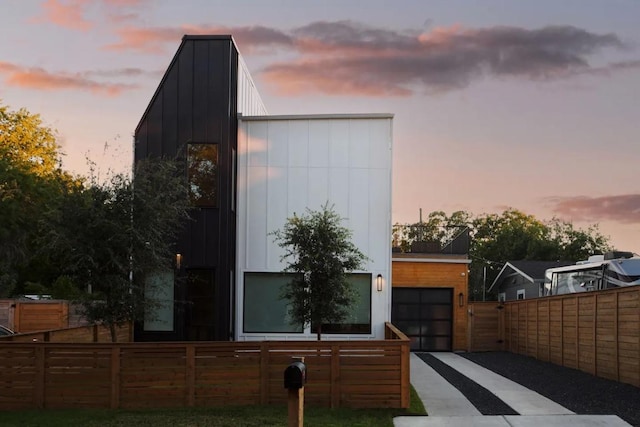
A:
[(486, 326)]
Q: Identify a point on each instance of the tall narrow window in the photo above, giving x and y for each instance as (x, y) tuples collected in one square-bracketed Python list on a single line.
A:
[(158, 293), (202, 172)]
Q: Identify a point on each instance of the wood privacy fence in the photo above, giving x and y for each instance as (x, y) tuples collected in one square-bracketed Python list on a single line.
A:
[(30, 315), (136, 375), (595, 332), (79, 334)]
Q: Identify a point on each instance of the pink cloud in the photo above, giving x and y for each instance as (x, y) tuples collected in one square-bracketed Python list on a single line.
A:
[(155, 40), (67, 14), (71, 14), (328, 77), (622, 208), (346, 57), (40, 79)]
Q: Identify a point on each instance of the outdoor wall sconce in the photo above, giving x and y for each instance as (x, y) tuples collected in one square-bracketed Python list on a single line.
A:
[(178, 261), (379, 283), (461, 299)]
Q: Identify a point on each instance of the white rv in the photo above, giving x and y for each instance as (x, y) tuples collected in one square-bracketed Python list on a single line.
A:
[(611, 270)]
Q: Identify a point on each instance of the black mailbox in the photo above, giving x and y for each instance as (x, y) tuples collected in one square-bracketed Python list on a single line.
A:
[(295, 375)]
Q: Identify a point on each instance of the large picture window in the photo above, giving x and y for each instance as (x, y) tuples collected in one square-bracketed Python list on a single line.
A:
[(202, 173), (358, 321), (264, 311)]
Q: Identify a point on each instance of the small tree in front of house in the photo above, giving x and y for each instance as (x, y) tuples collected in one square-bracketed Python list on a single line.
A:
[(320, 253)]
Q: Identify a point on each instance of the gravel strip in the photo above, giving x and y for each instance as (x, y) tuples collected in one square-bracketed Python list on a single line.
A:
[(485, 401), (575, 390)]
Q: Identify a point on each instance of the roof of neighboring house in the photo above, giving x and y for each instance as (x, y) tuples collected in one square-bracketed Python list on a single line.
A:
[(529, 269)]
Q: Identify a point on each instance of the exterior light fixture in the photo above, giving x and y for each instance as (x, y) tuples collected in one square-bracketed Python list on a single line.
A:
[(461, 299), (178, 261), (379, 282)]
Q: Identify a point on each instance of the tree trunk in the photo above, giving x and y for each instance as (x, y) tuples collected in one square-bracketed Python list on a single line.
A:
[(112, 329), (319, 331)]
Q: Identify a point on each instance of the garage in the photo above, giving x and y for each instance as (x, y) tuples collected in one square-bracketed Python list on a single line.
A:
[(425, 315)]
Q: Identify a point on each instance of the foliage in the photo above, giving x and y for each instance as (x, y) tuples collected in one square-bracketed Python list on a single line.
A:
[(113, 234), (438, 227), (30, 178), (498, 238), (320, 251)]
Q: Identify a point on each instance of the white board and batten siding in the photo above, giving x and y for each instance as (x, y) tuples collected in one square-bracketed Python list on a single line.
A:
[(287, 164), (249, 100)]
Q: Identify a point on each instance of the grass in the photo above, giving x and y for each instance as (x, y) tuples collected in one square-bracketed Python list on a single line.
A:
[(230, 416)]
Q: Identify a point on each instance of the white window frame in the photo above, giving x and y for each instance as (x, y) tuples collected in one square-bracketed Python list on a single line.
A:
[(520, 292)]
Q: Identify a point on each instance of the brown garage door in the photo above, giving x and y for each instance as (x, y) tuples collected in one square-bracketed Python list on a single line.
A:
[(425, 315)]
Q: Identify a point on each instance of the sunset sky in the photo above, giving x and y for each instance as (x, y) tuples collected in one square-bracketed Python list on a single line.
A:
[(533, 105)]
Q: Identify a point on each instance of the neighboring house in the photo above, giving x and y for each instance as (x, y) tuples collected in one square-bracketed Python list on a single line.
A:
[(522, 279), (429, 301), (259, 171)]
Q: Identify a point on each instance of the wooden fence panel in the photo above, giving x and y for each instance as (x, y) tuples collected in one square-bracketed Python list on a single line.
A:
[(596, 332), (628, 330), (91, 333), (137, 375), (543, 336), (30, 316), (555, 331)]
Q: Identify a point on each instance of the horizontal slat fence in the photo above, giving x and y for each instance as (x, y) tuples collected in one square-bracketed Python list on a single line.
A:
[(595, 332), (136, 375), (79, 334)]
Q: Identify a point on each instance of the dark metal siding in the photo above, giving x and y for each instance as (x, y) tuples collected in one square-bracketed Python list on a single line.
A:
[(196, 102)]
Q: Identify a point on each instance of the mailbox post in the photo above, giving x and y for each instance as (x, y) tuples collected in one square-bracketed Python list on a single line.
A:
[(295, 376)]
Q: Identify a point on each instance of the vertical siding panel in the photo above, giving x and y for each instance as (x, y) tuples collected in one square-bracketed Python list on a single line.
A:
[(276, 214), (154, 128), (298, 150), (170, 113), (319, 144), (201, 114), (185, 94)]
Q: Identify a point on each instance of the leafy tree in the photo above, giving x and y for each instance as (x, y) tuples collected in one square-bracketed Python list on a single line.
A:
[(437, 228), (511, 235), (321, 254), (116, 234), (514, 235), (30, 179)]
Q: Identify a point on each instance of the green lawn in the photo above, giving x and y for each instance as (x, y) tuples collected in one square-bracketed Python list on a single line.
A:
[(231, 416)]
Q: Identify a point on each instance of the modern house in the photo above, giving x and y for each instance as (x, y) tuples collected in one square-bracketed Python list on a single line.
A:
[(247, 173), (522, 279)]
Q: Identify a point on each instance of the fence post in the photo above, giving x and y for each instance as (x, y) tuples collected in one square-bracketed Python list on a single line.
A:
[(404, 375), (335, 376), (264, 373), (595, 334), (190, 354), (115, 376), (38, 388), (577, 332), (615, 334)]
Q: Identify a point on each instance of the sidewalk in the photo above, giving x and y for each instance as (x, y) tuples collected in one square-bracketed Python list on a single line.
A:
[(447, 407)]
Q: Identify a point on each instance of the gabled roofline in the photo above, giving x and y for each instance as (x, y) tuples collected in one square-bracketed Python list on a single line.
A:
[(514, 268), (172, 63)]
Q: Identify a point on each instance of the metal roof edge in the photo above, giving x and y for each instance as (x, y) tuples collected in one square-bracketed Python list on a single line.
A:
[(318, 116), (433, 260)]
